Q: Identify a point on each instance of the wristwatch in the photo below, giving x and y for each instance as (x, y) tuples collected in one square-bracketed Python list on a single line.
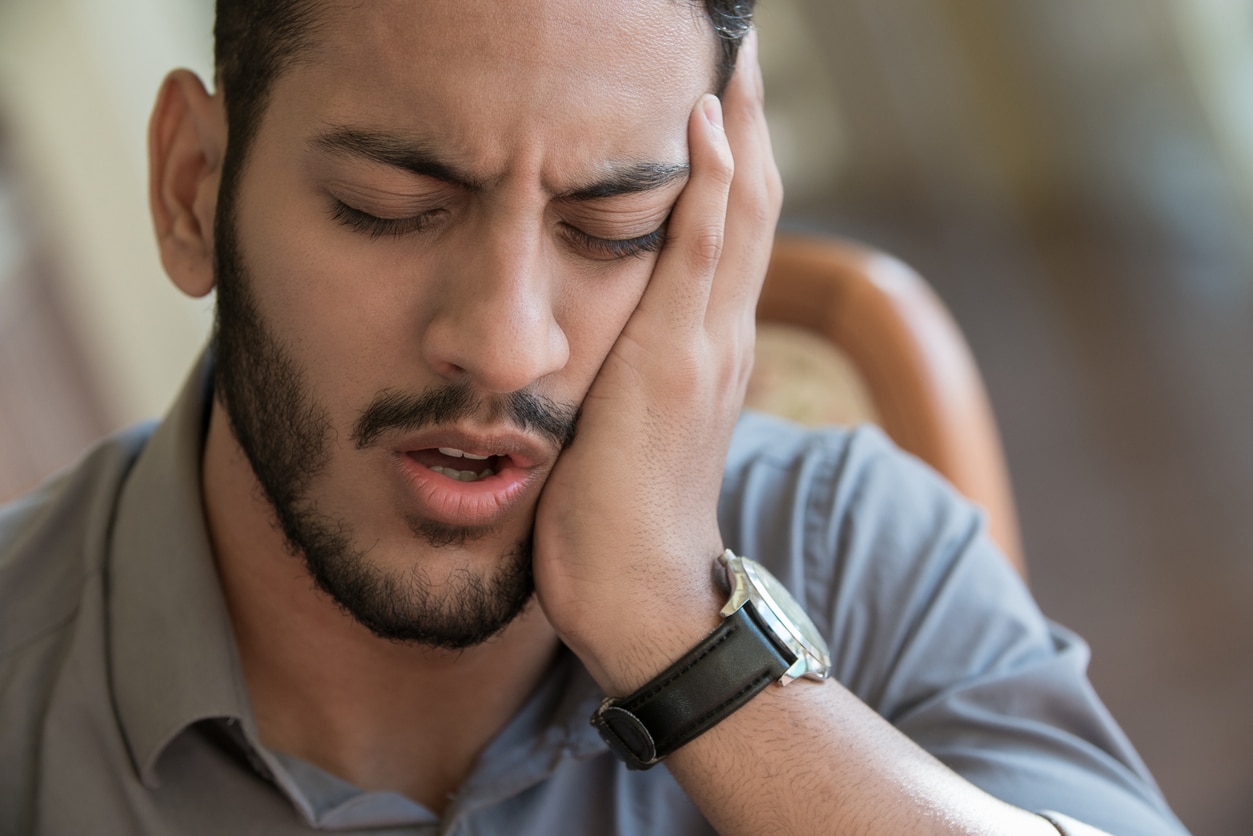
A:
[(764, 637)]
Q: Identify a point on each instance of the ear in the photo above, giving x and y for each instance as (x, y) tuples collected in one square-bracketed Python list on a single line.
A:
[(186, 145)]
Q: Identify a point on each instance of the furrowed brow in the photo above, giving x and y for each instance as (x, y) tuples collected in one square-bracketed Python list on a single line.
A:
[(395, 151), (629, 179)]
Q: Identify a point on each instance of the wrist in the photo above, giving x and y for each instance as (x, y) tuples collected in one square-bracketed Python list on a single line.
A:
[(764, 636), (623, 647), (628, 612)]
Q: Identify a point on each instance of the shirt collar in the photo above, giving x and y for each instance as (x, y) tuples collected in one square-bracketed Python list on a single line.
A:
[(172, 652)]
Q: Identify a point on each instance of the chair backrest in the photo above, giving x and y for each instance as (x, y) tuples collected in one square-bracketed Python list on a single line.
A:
[(900, 361)]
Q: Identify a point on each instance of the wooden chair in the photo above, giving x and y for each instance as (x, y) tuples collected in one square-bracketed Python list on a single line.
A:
[(847, 334)]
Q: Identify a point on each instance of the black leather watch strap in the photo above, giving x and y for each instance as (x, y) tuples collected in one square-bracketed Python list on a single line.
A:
[(726, 670)]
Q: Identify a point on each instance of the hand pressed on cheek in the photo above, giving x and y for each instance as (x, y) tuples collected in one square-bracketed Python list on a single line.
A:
[(626, 531)]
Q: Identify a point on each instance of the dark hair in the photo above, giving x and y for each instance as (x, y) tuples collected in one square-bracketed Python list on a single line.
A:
[(256, 40), (732, 20)]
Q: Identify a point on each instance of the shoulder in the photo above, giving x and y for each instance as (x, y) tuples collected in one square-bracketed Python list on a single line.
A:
[(859, 461), (850, 489), (53, 539), (881, 549)]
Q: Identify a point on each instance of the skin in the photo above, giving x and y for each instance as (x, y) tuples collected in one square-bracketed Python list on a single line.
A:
[(498, 293)]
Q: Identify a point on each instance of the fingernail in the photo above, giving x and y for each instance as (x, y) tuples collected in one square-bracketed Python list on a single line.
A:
[(712, 108)]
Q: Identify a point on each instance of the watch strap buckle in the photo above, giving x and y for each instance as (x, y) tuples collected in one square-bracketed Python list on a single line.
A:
[(732, 665)]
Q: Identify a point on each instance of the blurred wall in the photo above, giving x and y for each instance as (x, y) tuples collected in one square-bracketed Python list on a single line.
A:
[(77, 81)]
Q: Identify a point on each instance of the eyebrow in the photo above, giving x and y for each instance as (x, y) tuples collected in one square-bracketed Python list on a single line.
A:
[(630, 178), (421, 158), (397, 152)]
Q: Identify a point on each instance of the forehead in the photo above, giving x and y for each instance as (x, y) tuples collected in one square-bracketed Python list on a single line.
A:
[(506, 81)]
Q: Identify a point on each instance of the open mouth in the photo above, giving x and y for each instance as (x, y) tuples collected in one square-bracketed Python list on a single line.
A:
[(460, 465)]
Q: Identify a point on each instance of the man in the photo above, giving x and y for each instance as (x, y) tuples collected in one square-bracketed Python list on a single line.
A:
[(457, 467)]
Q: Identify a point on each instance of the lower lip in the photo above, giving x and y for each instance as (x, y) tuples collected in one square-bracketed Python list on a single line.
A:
[(451, 501)]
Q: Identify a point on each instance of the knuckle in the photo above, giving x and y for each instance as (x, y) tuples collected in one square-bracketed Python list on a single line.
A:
[(741, 381), (722, 171), (761, 209), (706, 246), (764, 213), (774, 187)]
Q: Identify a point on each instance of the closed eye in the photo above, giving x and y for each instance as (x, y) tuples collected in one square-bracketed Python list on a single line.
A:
[(376, 227), (610, 249)]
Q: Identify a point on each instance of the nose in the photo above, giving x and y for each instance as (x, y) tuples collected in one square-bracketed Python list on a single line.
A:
[(495, 321)]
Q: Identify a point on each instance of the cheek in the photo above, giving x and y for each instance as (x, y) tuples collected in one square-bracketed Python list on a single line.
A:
[(288, 268), (594, 310), (323, 287), (334, 313)]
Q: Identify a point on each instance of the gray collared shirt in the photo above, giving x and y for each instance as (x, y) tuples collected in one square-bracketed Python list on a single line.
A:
[(123, 707)]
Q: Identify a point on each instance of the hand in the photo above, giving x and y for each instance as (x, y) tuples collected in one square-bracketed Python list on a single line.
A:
[(626, 529)]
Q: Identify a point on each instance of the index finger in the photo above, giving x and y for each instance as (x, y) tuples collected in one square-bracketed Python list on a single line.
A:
[(679, 290)]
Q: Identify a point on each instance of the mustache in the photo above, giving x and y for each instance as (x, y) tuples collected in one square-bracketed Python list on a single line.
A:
[(409, 411)]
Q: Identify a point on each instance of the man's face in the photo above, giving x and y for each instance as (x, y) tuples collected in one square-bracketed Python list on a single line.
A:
[(449, 211)]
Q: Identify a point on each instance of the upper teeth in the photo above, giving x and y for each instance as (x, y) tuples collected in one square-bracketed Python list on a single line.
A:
[(459, 454)]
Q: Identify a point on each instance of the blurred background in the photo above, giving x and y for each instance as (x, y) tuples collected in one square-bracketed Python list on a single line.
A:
[(1074, 177)]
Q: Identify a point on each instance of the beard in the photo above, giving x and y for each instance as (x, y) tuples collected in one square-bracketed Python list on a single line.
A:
[(287, 436)]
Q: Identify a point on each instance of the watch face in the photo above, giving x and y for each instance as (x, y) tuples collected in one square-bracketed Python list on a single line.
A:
[(776, 596)]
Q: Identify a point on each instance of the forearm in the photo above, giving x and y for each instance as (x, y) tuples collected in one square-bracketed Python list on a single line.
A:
[(812, 758)]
